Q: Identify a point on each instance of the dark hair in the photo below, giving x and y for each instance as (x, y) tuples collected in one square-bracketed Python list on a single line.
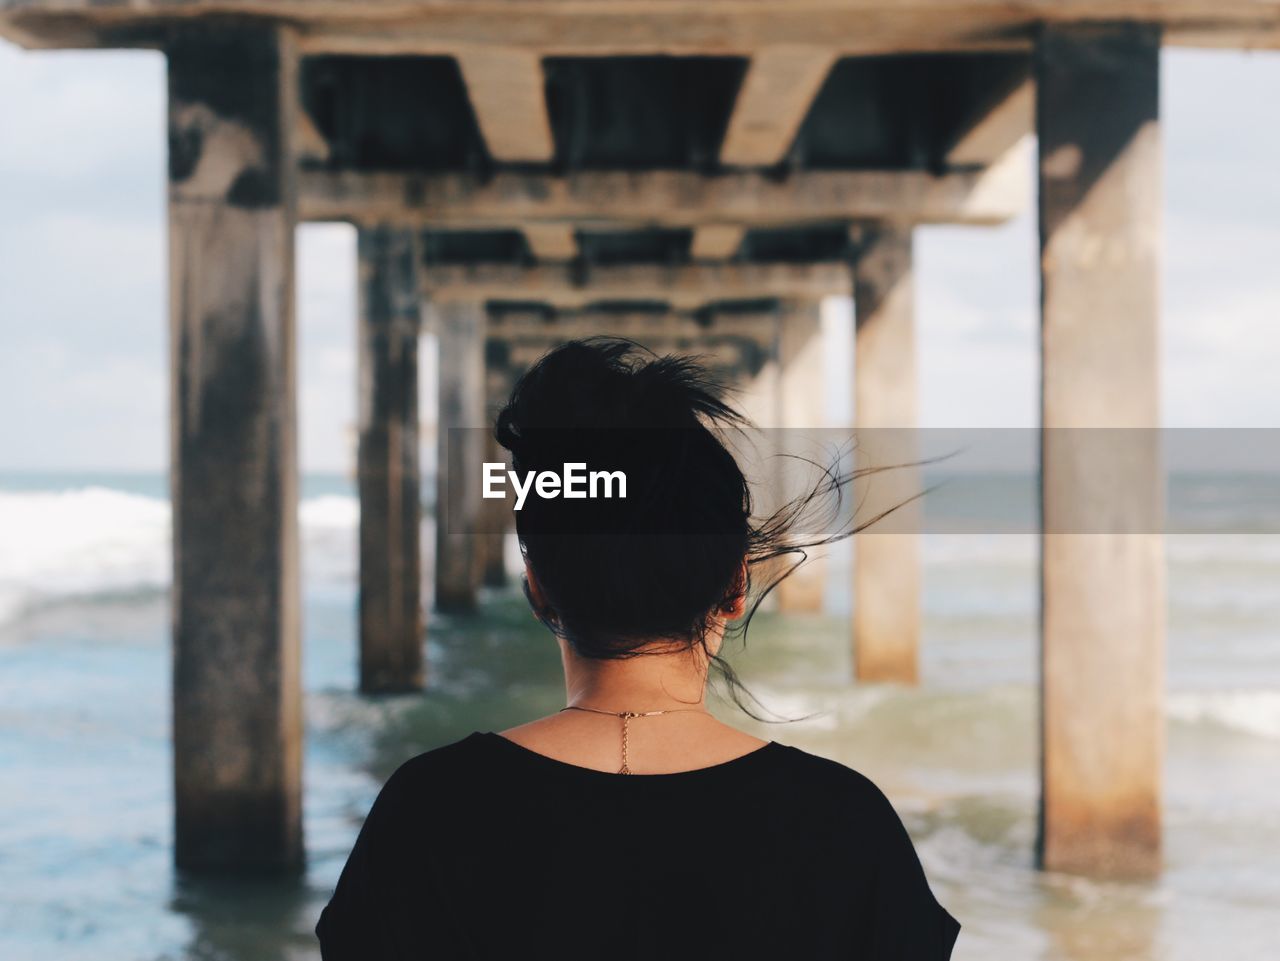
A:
[(661, 564)]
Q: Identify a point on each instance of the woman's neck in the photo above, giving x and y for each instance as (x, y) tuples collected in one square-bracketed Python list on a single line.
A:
[(647, 682)]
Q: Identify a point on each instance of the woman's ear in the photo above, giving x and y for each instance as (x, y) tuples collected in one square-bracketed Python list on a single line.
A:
[(537, 600), (535, 589), (736, 607)]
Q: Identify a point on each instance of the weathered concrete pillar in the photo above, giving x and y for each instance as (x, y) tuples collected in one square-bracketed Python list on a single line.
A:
[(391, 619), (1102, 624), (886, 580), (802, 408), (497, 518), (460, 431), (237, 721), (759, 394), (492, 541)]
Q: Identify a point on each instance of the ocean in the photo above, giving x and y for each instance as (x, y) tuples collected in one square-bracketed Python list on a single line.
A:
[(85, 807)]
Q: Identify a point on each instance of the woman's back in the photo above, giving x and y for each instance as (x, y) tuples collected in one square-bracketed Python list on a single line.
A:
[(487, 849), (632, 824)]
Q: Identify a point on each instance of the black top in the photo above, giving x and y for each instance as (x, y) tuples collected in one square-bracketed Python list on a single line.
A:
[(486, 849)]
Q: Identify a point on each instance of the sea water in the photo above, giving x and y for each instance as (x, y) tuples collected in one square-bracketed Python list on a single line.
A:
[(85, 797)]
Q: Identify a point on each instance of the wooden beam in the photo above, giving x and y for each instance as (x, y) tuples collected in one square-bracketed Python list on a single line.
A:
[(775, 97), (552, 241), (506, 89), (716, 241), (675, 27), (671, 198), (997, 130), (684, 287)]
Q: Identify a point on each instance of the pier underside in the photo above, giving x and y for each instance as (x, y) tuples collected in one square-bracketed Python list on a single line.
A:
[(698, 176)]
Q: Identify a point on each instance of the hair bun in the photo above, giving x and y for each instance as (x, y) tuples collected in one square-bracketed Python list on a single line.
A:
[(604, 384)]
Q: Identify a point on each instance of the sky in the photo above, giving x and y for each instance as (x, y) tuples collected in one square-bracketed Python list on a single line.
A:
[(83, 331)]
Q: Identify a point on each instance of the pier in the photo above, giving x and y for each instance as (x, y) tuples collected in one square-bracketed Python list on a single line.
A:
[(697, 176)]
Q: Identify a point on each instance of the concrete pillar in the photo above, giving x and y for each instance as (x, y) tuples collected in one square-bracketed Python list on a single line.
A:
[(494, 513), (391, 619), (237, 720), (497, 518), (758, 394), (886, 580), (460, 424), (802, 409), (1102, 623)]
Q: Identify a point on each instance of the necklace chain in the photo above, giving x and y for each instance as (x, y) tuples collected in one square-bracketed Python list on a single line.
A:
[(627, 716)]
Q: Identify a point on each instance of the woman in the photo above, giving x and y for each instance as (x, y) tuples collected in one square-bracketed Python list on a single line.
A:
[(632, 823)]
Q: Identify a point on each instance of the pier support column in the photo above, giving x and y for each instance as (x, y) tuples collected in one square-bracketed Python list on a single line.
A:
[(759, 394), (1102, 565), (391, 619), (492, 541), (886, 579), (237, 720), (461, 332), (497, 516), (802, 409)]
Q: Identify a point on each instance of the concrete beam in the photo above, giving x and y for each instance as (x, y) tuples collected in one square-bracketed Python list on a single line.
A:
[(731, 344), (391, 619), (237, 718), (1102, 623), (997, 130), (552, 241), (641, 326), (684, 287), (563, 28), (507, 93), (666, 197), (716, 241), (780, 86), (886, 579)]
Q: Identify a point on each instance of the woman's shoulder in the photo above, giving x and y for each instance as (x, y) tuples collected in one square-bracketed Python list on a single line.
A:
[(832, 778), (476, 754), (461, 757), (472, 766), (907, 918)]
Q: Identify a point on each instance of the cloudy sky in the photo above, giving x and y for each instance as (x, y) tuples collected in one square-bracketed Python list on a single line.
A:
[(83, 339)]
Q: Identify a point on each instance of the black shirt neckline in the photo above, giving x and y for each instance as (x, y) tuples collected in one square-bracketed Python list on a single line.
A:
[(752, 757)]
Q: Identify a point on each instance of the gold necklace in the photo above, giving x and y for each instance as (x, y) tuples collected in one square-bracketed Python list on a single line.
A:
[(627, 716)]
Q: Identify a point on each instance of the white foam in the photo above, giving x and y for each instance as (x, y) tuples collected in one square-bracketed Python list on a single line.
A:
[(87, 541), (332, 511), (94, 541), (329, 527), (1254, 712)]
